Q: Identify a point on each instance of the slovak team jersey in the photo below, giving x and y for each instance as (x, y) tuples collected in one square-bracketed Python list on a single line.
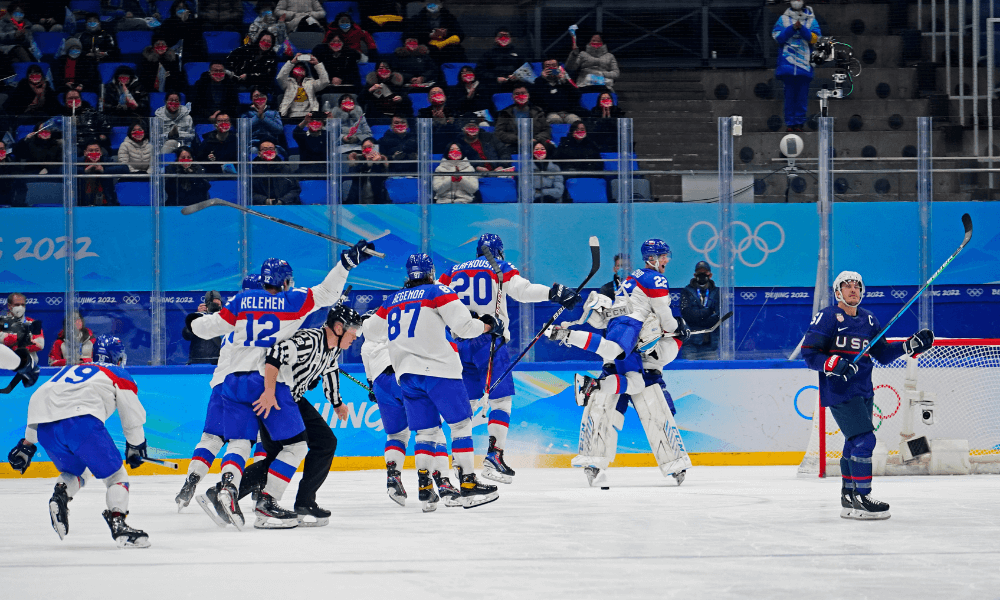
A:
[(96, 389), (475, 284), (833, 332), (219, 374), (375, 357), (649, 294), (258, 320), (412, 323)]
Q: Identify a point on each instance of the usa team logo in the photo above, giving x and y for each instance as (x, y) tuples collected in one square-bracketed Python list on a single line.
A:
[(840, 317)]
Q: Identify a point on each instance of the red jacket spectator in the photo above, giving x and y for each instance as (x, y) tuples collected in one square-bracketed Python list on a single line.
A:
[(87, 339), (15, 309), (355, 38)]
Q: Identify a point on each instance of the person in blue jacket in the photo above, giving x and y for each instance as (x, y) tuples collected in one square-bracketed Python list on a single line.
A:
[(796, 31)]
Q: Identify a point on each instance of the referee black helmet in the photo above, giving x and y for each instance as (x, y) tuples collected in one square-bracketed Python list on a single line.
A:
[(342, 313)]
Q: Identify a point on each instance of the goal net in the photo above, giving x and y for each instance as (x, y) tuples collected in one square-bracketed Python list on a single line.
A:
[(949, 395)]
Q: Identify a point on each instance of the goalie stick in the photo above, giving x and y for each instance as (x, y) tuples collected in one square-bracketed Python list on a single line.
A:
[(595, 258), (496, 314), (967, 223), (650, 344), (189, 210)]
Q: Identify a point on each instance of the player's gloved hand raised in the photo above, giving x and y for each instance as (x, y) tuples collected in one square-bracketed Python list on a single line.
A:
[(135, 454), (838, 366), (919, 343), (496, 325), (683, 332), (355, 255), (565, 296), (20, 456)]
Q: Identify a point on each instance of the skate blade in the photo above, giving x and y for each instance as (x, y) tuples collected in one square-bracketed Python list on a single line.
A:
[(206, 505), (429, 506), (494, 475), (268, 522), (474, 501), (235, 519), (181, 503), (679, 477), (399, 499), (314, 523), (455, 502), (60, 528), (124, 543), (861, 515), (846, 513)]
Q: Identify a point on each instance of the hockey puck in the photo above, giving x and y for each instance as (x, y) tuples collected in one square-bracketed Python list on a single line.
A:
[(605, 488)]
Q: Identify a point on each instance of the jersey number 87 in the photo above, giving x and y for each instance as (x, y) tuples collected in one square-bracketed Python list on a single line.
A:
[(396, 317)]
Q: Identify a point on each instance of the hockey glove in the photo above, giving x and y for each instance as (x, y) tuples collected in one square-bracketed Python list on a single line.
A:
[(20, 457), (28, 369), (371, 392), (558, 333), (566, 297), (838, 366), (496, 325), (683, 332), (919, 343), (355, 255), (135, 454), (191, 319)]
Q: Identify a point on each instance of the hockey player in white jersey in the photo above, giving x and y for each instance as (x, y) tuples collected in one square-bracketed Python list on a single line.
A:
[(481, 289), (258, 319), (66, 416)]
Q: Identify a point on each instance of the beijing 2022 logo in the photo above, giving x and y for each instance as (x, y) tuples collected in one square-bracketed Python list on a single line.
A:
[(765, 245)]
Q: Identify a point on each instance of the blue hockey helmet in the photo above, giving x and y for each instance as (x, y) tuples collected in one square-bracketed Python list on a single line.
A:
[(275, 272), (654, 247), (109, 349), (491, 241), (419, 266), (251, 282)]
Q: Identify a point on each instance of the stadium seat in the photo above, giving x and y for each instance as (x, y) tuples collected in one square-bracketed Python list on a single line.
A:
[(249, 13), (163, 7), (419, 100), (44, 192), (589, 100), (21, 70), (640, 190), (451, 70), (133, 193), (132, 43), (587, 189), (335, 8), (244, 98), (193, 71), (85, 6), (559, 131), (169, 157), (290, 144), (497, 189), (49, 42), (402, 190), (202, 129), (364, 69), (107, 70), (118, 135), (223, 188), (378, 131), (611, 161), (313, 191), (503, 100), (221, 43), (387, 41)]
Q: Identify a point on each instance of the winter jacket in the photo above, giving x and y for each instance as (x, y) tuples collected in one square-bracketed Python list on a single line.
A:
[(794, 45), (347, 121), (265, 127), (85, 74), (295, 11), (311, 148), (447, 191), (381, 108), (445, 130), (561, 97), (182, 190), (415, 63), (190, 31), (37, 150), (221, 14), (481, 100), (571, 148), (500, 62), (425, 22), (225, 151), (23, 95), (593, 61), (149, 70), (700, 309), (98, 191), (355, 38), (506, 127), (9, 29), (115, 100), (549, 185), (358, 165), (604, 131), (273, 26), (137, 155), (87, 341), (283, 189), (181, 120), (397, 147), (14, 189), (494, 151), (101, 41), (209, 96), (343, 65), (202, 352), (259, 67), (311, 86), (92, 124)]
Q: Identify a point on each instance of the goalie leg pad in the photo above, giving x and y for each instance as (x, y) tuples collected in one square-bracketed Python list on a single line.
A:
[(599, 430), (661, 431)]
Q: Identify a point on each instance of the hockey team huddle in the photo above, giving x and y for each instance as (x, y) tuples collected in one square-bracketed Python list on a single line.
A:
[(433, 352)]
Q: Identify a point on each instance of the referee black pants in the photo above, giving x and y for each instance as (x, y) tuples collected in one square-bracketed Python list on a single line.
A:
[(322, 444)]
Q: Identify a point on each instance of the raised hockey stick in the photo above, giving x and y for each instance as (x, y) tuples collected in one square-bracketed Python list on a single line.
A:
[(595, 265), (967, 223), (496, 315), (355, 380), (189, 210), (162, 463), (650, 344)]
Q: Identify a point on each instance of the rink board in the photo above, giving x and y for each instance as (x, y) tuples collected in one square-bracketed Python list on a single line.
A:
[(729, 413)]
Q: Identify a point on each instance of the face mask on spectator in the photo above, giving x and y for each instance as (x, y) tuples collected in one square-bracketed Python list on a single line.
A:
[(344, 26), (503, 40), (267, 14), (411, 45), (437, 98), (93, 25), (93, 156), (367, 150), (384, 73), (315, 125), (596, 44), (607, 102), (44, 135), (223, 126), (269, 154), (336, 46), (433, 7), (35, 77), (399, 127), (173, 105), (74, 53), (580, 134), (471, 130), (468, 77), (73, 102), (182, 12), (521, 98), (454, 154), (260, 101), (3, 153), (539, 154), (701, 278), (123, 79), (299, 72), (347, 105), (184, 160), (138, 134), (217, 76), (265, 45), (160, 49)]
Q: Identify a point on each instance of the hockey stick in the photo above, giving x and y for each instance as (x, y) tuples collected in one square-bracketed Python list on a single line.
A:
[(595, 258), (967, 223), (162, 463), (496, 315), (355, 380), (13, 383), (189, 210), (649, 345)]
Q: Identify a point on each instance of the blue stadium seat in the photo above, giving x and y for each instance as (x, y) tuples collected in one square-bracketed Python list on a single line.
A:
[(132, 43), (451, 70), (503, 100), (611, 161), (202, 129), (168, 157), (221, 43), (133, 193), (419, 100), (245, 98), (107, 70), (587, 189), (559, 131), (158, 99), (223, 188), (163, 7), (313, 191), (49, 42), (21, 69), (496, 189), (193, 70), (402, 190), (379, 130), (85, 6), (335, 8), (44, 192), (118, 135), (365, 68), (387, 41), (589, 100), (24, 130), (249, 13), (290, 143)]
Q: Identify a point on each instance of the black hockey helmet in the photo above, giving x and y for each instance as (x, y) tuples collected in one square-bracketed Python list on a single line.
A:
[(341, 313)]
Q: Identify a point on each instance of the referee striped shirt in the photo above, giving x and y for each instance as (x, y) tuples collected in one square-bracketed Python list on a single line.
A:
[(303, 360)]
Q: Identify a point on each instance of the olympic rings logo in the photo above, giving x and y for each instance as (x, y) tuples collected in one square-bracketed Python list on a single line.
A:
[(364, 299), (131, 299), (748, 295), (53, 300), (752, 237), (899, 294), (974, 292)]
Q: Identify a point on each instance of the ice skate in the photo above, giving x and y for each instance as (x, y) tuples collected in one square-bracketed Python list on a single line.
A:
[(451, 495), (679, 477), (394, 484), (187, 491), (846, 504), (494, 466), (209, 503), (125, 536), (596, 477), (475, 493), (312, 516), (867, 508), (59, 510), (271, 516), (427, 495)]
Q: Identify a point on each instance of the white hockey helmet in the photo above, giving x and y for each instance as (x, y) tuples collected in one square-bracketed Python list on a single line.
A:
[(848, 276)]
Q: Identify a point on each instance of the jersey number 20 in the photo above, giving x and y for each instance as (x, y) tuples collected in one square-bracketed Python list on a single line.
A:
[(396, 317), (480, 292)]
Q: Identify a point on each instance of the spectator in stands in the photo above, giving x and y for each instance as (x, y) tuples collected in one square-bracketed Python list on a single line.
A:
[(86, 340), (219, 145), (370, 168), (16, 305), (483, 146), (14, 189), (268, 20), (594, 66), (301, 89), (136, 151), (98, 190), (302, 15), (355, 37), (353, 124), (276, 187), (438, 28), (176, 123), (498, 64), (124, 95), (700, 309), (74, 70), (33, 96), (795, 31), (381, 15), (185, 181), (184, 28), (556, 94), (400, 144), (454, 188), (340, 62), (383, 95), (310, 135), (549, 185), (443, 117), (222, 14), (74, 104), (93, 125), (603, 122), (255, 64), (97, 43), (156, 56), (42, 146), (264, 124), (47, 15), (412, 61), (472, 95), (506, 128), (214, 92), (577, 152), (15, 35)]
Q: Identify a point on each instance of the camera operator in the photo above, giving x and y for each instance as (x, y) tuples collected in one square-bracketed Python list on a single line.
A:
[(15, 322), (204, 352), (796, 31)]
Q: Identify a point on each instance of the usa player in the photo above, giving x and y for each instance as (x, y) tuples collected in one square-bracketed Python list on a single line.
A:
[(475, 284), (66, 416), (427, 367), (259, 319), (836, 335)]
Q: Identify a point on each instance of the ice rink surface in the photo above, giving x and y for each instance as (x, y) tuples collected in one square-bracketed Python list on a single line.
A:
[(727, 532)]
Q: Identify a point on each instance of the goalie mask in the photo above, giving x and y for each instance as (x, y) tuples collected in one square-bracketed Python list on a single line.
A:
[(844, 277)]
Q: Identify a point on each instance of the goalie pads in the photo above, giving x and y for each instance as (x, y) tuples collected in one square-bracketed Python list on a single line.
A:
[(599, 427), (661, 431)]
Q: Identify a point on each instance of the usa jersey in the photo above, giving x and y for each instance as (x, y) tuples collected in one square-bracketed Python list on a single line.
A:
[(649, 294), (95, 389), (412, 322), (258, 320), (475, 282), (833, 332)]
